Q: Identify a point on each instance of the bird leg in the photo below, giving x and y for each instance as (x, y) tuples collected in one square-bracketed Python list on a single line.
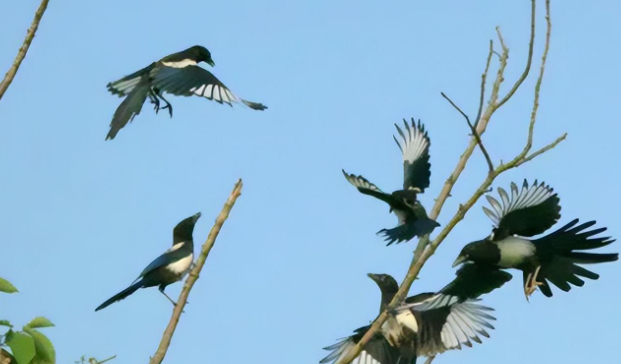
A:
[(168, 105), (170, 299), (531, 283), (154, 100)]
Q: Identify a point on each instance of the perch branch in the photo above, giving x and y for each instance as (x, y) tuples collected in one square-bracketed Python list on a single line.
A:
[(490, 164), (426, 248), (194, 274), (21, 54)]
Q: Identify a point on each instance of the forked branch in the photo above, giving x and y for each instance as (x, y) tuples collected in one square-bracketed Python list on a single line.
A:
[(427, 247), (194, 274)]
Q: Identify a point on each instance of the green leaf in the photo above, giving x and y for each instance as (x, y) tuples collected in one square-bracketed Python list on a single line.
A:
[(6, 286), (5, 323), (45, 353), (39, 322), (22, 346)]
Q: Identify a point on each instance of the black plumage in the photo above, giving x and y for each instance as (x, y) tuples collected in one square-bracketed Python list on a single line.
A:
[(555, 258), (168, 268), (426, 324), (176, 74), (413, 219)]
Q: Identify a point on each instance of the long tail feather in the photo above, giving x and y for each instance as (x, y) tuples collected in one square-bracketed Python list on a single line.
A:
[(129, 108), (121, 295)]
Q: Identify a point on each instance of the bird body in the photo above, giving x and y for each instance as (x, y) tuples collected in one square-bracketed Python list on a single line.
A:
[(411, 215), (169, 267), (176, 74), (555, 258), (426, 324)]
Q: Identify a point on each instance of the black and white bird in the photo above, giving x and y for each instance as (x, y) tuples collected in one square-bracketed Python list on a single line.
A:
[(555, 258), (426, 324), (169, 267), (177, 74), (413, 220)]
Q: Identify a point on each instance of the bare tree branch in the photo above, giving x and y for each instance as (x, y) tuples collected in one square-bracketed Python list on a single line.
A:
[(483, 82), (426, 248), (429, 359), (10, 75), (490, 164), (194, 274)]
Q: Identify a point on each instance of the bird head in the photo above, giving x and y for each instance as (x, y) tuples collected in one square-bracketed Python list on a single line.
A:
[(183, 231), (481, 251), (203, 55), (386, 283)]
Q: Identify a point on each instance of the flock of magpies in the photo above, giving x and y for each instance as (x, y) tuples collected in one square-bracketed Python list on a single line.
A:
[(426, 324)]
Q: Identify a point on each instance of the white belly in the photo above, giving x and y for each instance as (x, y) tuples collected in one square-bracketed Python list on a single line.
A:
[(182, 266), (515, 251)]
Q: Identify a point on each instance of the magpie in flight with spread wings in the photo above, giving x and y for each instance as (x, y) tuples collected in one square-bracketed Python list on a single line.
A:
[(555, 258), (169, 267), (177, 74), (426, 324), (413, 220)]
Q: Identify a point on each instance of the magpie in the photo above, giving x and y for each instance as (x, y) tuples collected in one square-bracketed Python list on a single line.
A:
[(413, 220), (426, 324), (177, 74), (555, 258), (168, 268)]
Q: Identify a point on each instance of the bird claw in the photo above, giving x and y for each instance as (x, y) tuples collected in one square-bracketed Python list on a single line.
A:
[(531, 283), (169, 107)]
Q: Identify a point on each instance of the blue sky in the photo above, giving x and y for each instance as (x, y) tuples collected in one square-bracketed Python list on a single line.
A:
[(81, 217)]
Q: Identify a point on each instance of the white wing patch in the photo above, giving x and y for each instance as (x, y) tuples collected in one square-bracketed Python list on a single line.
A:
[(360, 182), (215, 92), (343, 347), (413, 143), (526, 197), (181, 64), (433, 302), (466, 322), (126, 86)]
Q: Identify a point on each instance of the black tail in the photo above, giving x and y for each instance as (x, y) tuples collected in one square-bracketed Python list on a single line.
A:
[(408, 231), (129, 108), (560, 255), (254, 105), (121, 295)]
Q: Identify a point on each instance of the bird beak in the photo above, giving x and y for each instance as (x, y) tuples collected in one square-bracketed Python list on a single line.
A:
[(196, 216), (211, 63), (460, 259), (373, 276)]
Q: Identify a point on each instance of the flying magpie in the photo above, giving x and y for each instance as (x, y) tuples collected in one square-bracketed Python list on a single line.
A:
[(169, 267), (426, 324), (413, 220), (555, 258), (177, 74)]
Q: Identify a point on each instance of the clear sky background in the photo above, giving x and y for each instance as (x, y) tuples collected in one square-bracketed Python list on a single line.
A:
[(81, 217)]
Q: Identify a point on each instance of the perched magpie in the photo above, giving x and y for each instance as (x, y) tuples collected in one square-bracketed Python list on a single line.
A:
[(413, 220), (426, 324), (554, 258), (169, 267), (178, 74)]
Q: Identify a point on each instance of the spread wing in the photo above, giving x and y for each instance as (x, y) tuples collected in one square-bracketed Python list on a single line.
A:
[(473, 281), (527, 212), (368, 188), (194, 80), (376, 351), (414, 145)]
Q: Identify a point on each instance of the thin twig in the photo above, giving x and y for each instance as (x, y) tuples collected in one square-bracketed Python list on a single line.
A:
[(425, 248), (484, 81), (21, 54), (194, 274), (429, 359), (490, 164)]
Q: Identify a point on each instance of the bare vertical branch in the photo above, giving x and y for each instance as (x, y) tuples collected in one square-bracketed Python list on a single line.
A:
[(194, 274), (10, 75)]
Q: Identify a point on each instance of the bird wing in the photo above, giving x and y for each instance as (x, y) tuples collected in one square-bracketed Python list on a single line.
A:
[(376, 351), (473, 280), (414, 146), (126, 84), (168, 257), (130, 107), (194, 80), (527, 212), (448, 322), (364, 186)]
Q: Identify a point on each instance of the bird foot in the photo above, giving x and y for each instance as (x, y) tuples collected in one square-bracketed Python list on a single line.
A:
[(531, 283), (169, 107)]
